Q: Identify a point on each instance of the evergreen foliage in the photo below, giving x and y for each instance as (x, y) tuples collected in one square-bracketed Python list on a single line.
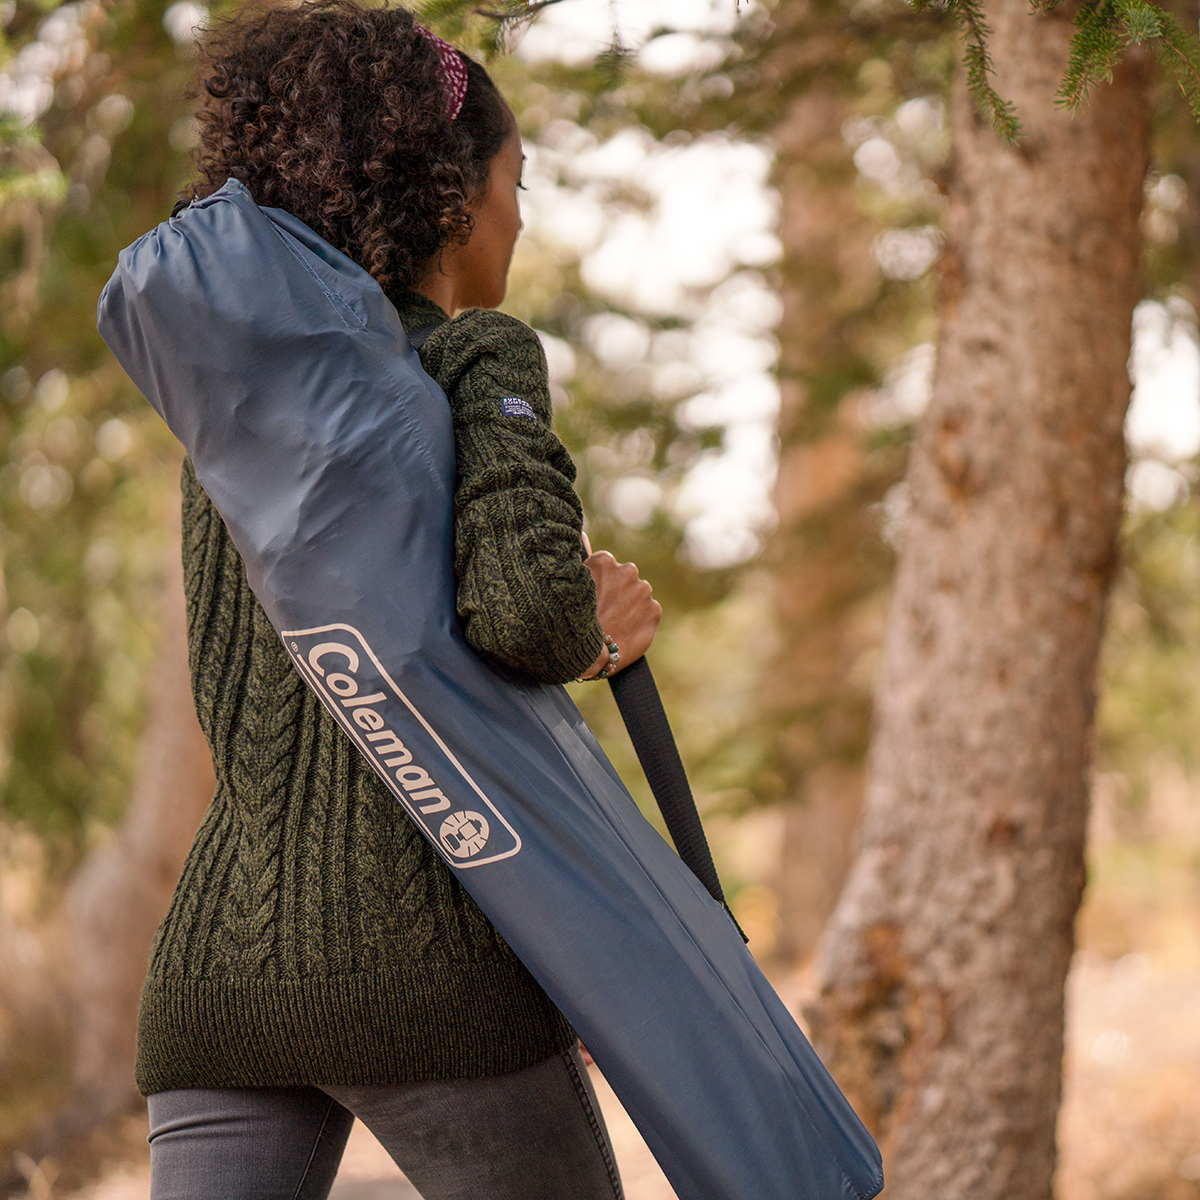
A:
[(1103, 31), (978, 64)]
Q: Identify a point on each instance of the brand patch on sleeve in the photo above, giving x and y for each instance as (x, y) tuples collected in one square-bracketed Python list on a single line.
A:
[(514, 406)]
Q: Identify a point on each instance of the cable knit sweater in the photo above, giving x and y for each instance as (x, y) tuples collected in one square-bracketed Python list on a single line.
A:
[(315, 936)]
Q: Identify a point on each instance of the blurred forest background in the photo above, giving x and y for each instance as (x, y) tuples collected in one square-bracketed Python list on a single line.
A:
[(741, 252)]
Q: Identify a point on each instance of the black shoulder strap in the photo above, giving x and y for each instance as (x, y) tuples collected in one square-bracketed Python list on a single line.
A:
[(641, 709)]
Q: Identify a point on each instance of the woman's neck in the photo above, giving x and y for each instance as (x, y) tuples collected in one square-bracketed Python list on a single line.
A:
[(441, 289)]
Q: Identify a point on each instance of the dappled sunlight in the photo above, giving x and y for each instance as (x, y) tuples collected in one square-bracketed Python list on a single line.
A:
[(677, 232)]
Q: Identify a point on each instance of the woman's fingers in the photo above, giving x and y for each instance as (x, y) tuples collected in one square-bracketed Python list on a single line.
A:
[(626, 608)]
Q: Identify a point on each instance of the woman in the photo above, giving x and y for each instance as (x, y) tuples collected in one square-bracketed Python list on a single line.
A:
[(318, 960)]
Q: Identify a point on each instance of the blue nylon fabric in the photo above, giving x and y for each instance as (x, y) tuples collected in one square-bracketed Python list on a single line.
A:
[(329, 453)]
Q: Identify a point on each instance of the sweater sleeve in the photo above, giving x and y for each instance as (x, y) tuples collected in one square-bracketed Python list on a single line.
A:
[(525, 597)]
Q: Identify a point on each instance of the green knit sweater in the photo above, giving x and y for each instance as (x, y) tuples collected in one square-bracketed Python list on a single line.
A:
[(315, 936)]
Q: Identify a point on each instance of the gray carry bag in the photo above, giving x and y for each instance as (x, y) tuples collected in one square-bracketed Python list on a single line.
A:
[(286, 374)]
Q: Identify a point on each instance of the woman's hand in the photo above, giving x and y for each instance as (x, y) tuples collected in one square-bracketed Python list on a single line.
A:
[(626, 608)]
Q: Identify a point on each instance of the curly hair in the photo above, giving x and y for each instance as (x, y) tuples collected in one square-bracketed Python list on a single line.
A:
[(336, 114)]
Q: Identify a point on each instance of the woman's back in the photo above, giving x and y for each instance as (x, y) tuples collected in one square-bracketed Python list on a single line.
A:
[(316, 935)]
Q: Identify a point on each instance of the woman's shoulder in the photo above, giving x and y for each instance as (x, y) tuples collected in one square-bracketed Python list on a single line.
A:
[(482, 344), (483, 331), (487, 320)]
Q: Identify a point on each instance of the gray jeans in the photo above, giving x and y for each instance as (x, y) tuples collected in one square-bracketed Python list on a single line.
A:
[(535, 1134)]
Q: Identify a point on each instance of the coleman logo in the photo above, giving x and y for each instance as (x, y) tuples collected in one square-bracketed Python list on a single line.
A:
[(464, 834), (383, 741), (403, 747)]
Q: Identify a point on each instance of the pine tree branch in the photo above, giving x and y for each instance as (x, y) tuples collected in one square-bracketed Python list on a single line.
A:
[(1000, 114), (1180, 51), (1104, 28), (1096, 48)]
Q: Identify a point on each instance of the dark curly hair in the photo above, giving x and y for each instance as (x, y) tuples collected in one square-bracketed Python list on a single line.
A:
[(335, 113)]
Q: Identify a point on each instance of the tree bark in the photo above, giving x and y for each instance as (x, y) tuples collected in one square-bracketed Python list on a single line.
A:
[(121, 891), (940, 976)]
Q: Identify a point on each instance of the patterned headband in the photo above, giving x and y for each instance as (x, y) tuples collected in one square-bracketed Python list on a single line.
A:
[(452, 72)]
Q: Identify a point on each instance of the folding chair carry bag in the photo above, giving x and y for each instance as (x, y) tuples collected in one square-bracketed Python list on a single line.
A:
[(286, 374)]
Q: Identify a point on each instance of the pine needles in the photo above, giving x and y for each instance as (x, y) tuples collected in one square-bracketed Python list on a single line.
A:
[(1180, 52), (1095, 49), (1104, 29), (998, 112)]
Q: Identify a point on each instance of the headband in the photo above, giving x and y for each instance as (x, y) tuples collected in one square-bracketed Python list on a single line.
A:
[(452, 71)]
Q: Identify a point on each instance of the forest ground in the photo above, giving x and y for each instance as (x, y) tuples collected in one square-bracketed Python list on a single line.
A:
[(1129, 1129)]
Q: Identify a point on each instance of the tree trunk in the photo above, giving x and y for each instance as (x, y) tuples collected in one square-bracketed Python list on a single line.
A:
[(940, 1005), (121, 891), (829, 564), (817, 850)]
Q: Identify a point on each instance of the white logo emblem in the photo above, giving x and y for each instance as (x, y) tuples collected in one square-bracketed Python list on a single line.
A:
[(464, 834)]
